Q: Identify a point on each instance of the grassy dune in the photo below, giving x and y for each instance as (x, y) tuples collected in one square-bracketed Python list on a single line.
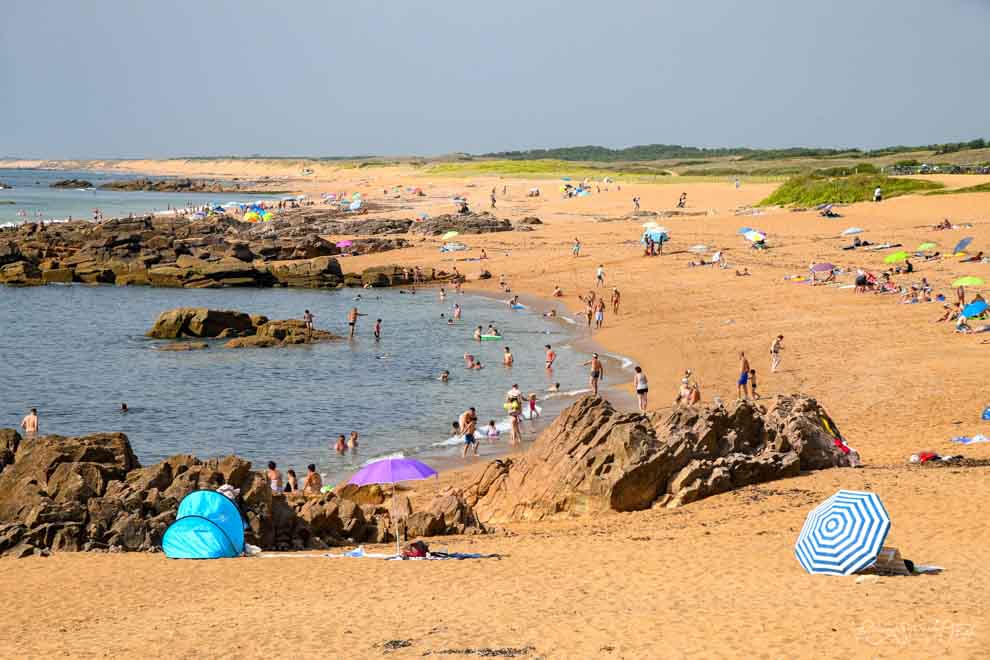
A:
[(983, 187), (815, 189)]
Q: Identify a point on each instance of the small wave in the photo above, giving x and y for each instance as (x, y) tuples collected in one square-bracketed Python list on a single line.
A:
[(557, 395), (375, 459), (567, 320), (624, 363)]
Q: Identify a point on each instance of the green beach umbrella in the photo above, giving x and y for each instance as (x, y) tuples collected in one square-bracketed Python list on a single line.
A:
[(927, 246), (896, 257), (969, 280)]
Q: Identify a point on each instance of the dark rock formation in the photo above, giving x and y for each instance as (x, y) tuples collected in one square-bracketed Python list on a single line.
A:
[(90, 493), (593, 458), (180, 185), (469, 223), (72, 183)]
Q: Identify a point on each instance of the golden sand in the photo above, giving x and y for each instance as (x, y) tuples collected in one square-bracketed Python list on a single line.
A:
[(717, 578)]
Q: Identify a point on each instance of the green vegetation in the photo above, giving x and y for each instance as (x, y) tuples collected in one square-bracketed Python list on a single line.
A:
[(862, 168), (815, 189), (983, 187), (541, 168), (782, 171)]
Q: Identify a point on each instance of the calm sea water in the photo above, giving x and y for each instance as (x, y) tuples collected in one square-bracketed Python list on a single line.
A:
[(32, 195), (77, 352)]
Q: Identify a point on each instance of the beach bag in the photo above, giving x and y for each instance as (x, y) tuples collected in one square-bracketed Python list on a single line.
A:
[(415, 549)]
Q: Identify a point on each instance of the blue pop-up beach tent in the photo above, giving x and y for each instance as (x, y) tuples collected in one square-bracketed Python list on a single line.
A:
[(208, 526)]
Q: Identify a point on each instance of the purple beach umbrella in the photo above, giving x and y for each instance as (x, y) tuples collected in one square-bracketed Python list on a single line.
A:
[(392, 470), (823, 268)]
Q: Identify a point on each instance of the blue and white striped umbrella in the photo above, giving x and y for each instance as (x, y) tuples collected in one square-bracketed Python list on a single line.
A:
[(843, 534)]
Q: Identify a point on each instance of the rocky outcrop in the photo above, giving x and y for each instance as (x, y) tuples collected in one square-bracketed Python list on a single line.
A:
[(594, 458), (72, 183), (90, 493), (468, 223), (181, 185), (243, 330)]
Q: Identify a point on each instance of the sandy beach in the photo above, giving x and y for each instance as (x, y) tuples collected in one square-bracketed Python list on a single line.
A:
[(717, 578)]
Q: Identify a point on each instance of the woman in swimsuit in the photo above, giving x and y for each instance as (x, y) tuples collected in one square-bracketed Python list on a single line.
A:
[(274, 478), (642, 387)]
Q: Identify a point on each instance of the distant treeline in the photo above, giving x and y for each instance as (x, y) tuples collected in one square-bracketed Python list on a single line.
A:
[(667, 151)]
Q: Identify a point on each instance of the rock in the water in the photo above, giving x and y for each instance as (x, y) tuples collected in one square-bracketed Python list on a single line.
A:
[(72, 183), (199, 322), (593, 458)]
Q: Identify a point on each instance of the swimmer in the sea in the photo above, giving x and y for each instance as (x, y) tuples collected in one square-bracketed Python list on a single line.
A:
[(444, 376)]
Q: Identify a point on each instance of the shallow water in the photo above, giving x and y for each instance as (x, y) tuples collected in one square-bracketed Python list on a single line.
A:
[(32, 195), (76, 352)]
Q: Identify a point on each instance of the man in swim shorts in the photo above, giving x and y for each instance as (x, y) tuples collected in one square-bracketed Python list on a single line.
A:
[(775, 348), (507, 358), (468, 424), (352, 317), (743, 375), (597, 372), (551, 356)]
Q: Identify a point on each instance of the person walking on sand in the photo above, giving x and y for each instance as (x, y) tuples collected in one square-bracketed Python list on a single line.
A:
[(507, 358), (615, 300), (636, 202), (642, 388), (493, 198), (468, 423), (551, 357), (30, 423), (743, 375), (597, 372), (576, 250), (600, 276), (352, 317), (775, 348), (600, 314)]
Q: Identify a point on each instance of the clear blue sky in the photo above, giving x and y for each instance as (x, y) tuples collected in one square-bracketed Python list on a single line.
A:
[(130, 78)]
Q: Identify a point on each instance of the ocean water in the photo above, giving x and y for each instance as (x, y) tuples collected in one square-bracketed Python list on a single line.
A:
[(77, 352), (34, 198)]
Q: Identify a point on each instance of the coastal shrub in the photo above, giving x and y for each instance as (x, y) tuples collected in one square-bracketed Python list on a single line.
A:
[(862, 168), (816, 188)]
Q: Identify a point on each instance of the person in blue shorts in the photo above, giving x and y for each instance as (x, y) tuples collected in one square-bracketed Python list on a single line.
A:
[(743, 376), (468, 425)]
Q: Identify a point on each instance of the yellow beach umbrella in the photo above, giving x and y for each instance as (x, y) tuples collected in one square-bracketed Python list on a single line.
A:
[(449, 235)]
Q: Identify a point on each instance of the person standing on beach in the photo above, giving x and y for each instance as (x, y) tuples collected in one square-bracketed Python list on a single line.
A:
[(352, 317), (597, 372), (642, 388), (576, 250), (493, 198), (30, 423), (507, 358), (600, 276), (636, 202), (743, 375), (551, 357), (600, 314), (468, 423), (615, 300), (775, 348)]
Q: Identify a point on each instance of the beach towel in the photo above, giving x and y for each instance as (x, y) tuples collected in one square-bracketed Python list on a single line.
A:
[(976, 439)]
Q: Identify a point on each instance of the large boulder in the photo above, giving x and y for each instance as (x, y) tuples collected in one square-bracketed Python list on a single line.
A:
[(199, 322), (594, 459), (319, 272), (469, 223)]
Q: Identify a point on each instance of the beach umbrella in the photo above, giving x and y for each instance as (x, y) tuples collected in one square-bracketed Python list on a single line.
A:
[(655, 235), (969, 280), (744, 230), (962, 245), (823, 268), (926, 246), (975, 309), (754, 236), (343, 244), (392, 470), (896, 257), (449, 235), (843, 534), (852, 231)]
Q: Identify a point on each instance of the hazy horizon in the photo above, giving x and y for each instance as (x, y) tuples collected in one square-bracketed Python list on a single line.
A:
[(142, 80)]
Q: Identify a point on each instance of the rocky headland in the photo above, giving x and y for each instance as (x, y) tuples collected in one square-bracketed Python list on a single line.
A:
[(219, 251), (185, 185)]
